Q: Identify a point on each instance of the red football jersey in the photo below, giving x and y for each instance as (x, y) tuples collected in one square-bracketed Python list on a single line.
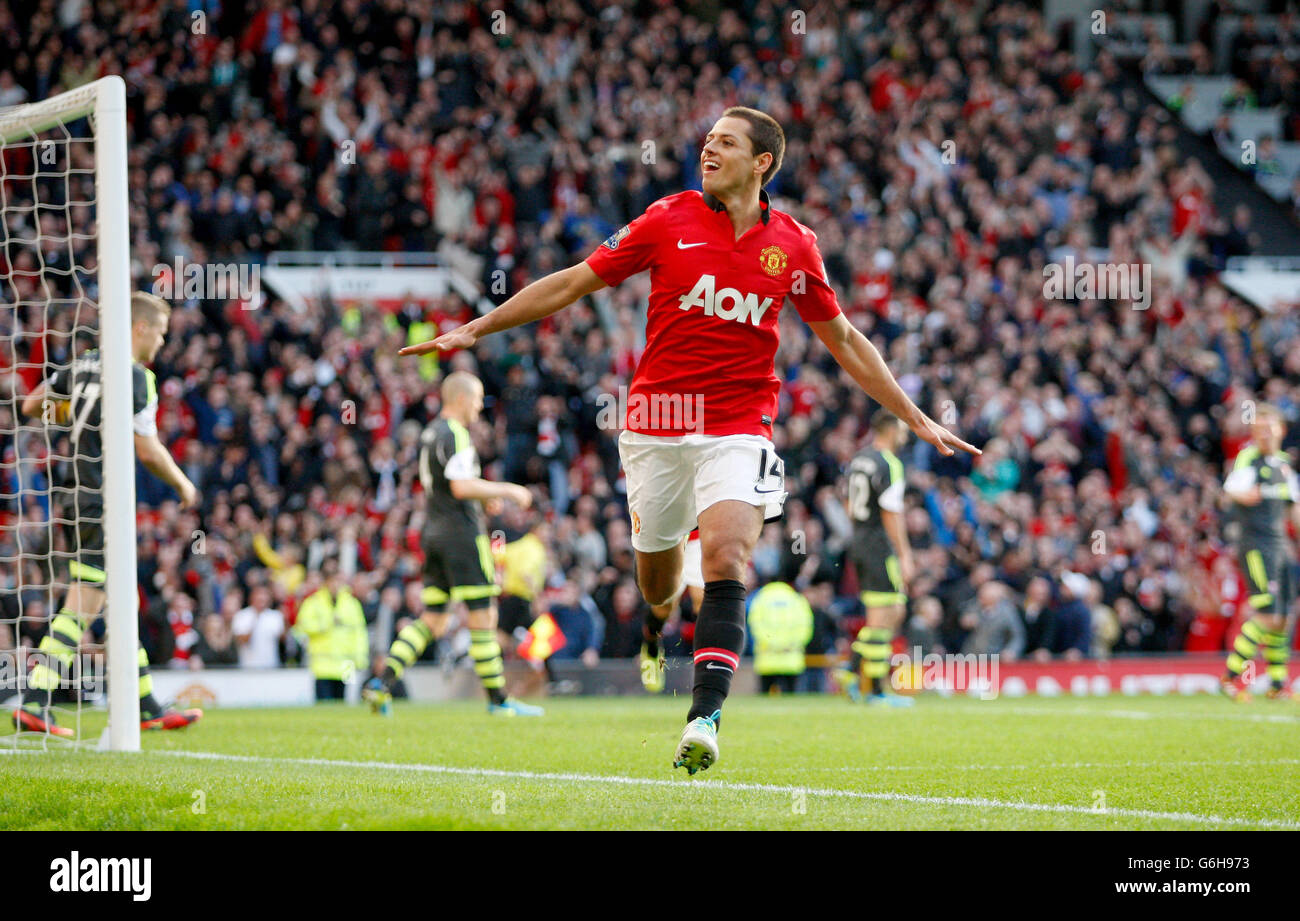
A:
[(711, 329)]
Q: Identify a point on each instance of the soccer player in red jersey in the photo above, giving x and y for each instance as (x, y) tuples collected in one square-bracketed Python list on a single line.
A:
[(696, 446)]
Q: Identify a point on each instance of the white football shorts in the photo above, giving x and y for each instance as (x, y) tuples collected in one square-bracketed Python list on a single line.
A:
[(693, 563), (671, 479)]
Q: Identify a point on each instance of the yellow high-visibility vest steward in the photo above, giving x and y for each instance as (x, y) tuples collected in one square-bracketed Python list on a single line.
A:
[(337, 644), (781, 622)]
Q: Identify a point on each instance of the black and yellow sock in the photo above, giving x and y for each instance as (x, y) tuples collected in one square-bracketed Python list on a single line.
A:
[(872, 649), (59, 649), (1245, 646), (407, 647), (1275, 656), (150, 709), (486, 653), (860, 648)]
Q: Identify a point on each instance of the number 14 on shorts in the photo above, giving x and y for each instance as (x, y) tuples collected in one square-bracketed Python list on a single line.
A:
[(771, 473)]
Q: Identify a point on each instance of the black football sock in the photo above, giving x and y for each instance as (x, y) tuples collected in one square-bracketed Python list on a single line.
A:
[(651, 631), (719, 640)]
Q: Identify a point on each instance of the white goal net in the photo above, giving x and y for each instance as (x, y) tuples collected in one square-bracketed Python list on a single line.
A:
[(67, 477)]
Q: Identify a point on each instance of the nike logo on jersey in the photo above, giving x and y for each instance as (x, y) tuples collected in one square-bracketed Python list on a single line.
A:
[(721, 668), (681, 245), (727, 304)]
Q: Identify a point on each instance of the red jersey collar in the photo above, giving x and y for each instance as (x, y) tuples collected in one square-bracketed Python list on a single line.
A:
[(764, 204)]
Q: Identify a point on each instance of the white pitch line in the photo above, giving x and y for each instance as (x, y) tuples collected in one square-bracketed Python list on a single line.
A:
[(979, 802), (1070, 765), (1143, 714)]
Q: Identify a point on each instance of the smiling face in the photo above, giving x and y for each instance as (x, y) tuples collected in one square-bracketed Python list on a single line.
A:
[(727, 159)]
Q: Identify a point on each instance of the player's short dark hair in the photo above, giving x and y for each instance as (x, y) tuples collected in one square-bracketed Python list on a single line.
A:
[(765, 135), (149, 308), (883, 420)]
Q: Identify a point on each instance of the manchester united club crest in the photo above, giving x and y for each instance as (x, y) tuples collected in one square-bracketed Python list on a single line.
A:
[(636, 523), (773, 260)]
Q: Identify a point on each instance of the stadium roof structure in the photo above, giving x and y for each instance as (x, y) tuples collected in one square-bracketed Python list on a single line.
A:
[(1271, 283), (302, 276)]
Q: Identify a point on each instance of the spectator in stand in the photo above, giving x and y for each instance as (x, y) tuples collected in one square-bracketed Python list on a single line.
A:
[(579, 620), (180, 618), (994, 625), (7, 646), (1134, 630), (1073, 616), (215, 645), (821, 647), (258, 629), (1105, 624), (623, 620), (923, 629), (1039, 617)]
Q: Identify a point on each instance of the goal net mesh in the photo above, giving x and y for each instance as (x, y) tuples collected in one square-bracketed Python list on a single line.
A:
[(48, 316)]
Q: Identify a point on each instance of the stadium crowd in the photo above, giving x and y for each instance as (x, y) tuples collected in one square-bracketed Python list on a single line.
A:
[(942, 156), (1263, 59)]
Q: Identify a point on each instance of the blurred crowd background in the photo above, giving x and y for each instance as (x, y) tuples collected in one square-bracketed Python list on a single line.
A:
[(942, 151)]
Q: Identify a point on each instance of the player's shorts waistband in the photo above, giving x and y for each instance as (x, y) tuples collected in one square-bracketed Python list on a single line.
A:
[(630, 437)]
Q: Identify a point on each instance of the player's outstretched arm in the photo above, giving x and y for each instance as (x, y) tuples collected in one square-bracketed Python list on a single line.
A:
[(154, 455), (488, 490), (35, 403), (540, 299), (859, 358), (32, 402)]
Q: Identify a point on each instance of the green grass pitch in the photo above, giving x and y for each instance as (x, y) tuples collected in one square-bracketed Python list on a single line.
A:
[(796, 763)]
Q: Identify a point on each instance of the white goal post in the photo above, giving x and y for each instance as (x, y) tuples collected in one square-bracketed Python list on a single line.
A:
[(104, 103)]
